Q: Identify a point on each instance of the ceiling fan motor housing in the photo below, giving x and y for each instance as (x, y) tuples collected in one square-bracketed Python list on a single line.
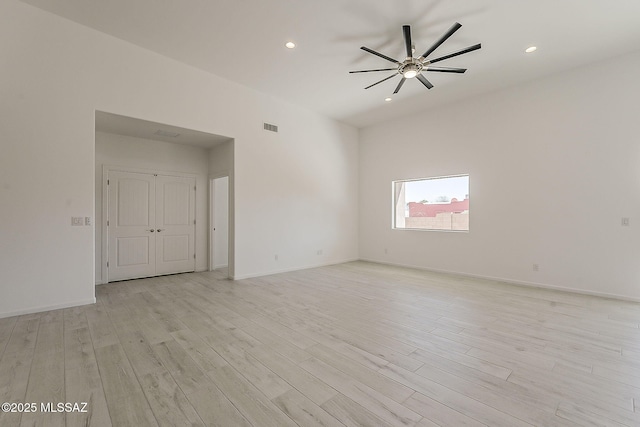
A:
[(410, 68)]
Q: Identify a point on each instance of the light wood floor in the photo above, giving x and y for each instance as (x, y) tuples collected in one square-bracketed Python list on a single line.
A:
[(356, 344)]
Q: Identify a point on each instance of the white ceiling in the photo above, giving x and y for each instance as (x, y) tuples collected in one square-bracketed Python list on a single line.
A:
[(243, 41)]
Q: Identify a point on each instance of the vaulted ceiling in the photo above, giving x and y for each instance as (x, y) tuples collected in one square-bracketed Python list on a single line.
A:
[(244, 41)]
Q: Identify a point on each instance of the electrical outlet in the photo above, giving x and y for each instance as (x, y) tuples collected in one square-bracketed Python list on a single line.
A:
[(77, 221), (319, 252), (87, 220), (625, 222), (276, 257), (386, 251), (536, 267)]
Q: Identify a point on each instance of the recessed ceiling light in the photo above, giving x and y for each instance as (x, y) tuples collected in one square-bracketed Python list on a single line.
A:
[(290, 45), (387, 99), (531, 49)]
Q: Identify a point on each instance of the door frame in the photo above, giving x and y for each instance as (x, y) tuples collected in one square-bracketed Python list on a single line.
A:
[(105, 206)]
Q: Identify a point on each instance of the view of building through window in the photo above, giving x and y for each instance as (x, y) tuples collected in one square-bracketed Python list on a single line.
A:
[(432, 204)]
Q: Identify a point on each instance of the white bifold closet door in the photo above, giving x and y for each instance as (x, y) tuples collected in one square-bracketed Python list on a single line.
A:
[(151, 225)]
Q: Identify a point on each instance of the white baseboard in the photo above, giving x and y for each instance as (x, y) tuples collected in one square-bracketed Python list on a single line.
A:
[(514, 282), (47, 308), (287, 270)]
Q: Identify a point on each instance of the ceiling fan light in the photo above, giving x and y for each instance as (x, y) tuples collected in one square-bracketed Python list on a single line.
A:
[(409, 74)]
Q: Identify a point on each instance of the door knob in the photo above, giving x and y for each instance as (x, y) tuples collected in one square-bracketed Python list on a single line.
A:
[(160, 229), (152, 230)]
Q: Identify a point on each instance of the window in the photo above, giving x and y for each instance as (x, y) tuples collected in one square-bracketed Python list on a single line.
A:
[(440, 203)]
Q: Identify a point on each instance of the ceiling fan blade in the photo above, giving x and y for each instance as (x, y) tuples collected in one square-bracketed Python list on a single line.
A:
[(406, 30), (424, 81), (366, 49), (383, 80), (371, 71), (399, 85), (442, 39), (451, 55), (445, 69)]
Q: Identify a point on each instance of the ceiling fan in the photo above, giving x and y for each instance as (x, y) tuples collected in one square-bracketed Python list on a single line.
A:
[(414, 66)]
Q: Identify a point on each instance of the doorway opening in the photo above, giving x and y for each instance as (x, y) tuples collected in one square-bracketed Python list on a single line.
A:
[(219, 223), (145, 147)]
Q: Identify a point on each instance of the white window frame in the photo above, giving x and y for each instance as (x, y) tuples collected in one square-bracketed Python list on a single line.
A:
[(397, 204)]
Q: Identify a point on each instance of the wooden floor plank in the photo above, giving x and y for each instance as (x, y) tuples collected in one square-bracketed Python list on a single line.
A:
[(352, 414), (276, 342), (465, 360), (375, 402), (83, 383), (304, 411), (261, 377), (200, 352), (215, 409), (251, 403), (371, 378), (454, 399), (179, 364), (75, 318), (6, 328), (311, 387), (327, 337), (576, 411), (126, 401), (584, 417), (168, 402), (102, 331), (439, 413), (15, 366), (46, 379)]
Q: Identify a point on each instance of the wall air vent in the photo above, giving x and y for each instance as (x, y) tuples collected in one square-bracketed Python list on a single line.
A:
[(270, 127), (161, 132)]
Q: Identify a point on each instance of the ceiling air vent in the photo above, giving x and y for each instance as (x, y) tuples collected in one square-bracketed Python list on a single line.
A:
[(270, 127), (161, 132)]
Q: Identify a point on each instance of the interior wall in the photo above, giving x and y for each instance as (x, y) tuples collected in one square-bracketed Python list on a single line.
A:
[(56, 74), (138, 153), (299, 207), (553, 166)]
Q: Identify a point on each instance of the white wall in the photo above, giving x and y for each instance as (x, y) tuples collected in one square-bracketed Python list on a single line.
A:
[(221, 160), (300, 195), (554, 165), (55, 74), (118, 150)]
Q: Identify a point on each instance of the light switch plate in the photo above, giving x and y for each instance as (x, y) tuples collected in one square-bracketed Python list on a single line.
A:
[(77, 220)]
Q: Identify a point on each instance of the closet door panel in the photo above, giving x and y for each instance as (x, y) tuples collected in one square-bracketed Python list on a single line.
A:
[(132, 237), (175, 224)]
